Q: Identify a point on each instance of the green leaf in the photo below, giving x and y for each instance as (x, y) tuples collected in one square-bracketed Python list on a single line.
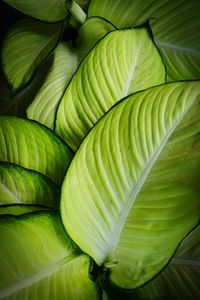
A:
[(82, 3), (180, 280), (44, 106), (25, 47), (39, 261), (17, 104), (33, 146), (20, 185), (51, 11), (175, 26), (77, 12), (114, 69), (20, 209), (131, 193), (90, 33)]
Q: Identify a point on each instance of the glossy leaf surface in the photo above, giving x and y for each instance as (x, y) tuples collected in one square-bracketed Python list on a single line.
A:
[(180, 279), (44, 106), (25, 47), (20, 185), (175, 26), (38, 260), (90, 33), (113, 69), (33, 146), (131, 193)]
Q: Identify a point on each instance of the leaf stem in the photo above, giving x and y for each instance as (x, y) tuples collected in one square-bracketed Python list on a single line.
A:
[(77, 12)]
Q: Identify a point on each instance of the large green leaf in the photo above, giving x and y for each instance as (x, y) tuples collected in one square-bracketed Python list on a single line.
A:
[(44, 106), (25, 47), (20, 209), (131, 193), (180, 280), (39, 261), (51, 11), (20, 185), (90, 33), (33, 146), (175, 26), (112, 70)]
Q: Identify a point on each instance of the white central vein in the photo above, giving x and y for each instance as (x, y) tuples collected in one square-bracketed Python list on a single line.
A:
[(9, 193), (185, 262), (115, 235), (36, 277), (175, 47), (131, 73)]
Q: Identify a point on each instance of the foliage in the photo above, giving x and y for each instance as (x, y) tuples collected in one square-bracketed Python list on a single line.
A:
[(99, 149)]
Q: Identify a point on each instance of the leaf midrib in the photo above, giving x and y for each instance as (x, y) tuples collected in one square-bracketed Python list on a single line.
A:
[(185, 262), (47, 271), (131, 74), (175, 47), (115, 235), (8, 191), (39, 51)]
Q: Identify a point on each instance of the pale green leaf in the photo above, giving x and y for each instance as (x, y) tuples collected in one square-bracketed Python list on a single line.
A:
[(20, 185), (44, 106), (50, 11), (90, 33), (20, 209), (113, 69), (25, 47), (39, 261), (181, 279), (131, 193), (175, 26), (33, 146)]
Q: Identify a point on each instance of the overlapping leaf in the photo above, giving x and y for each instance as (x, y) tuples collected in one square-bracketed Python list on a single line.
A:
[(39, 261), (20, 209), (90, 33), (51, 11), (33, 146), (44, 106), (180, 280), (25, 47), (175, 26), (18, 103), (20, 185), (131, 193), (123, 62)]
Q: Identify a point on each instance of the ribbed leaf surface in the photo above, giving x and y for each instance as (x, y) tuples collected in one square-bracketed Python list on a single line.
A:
[(20, 185), (175, 26), (90, 33), (51, 11), (180, 280), (44, 106), (25, 47), (131, 193), (114, 69), (33, 146), (39, 261)]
